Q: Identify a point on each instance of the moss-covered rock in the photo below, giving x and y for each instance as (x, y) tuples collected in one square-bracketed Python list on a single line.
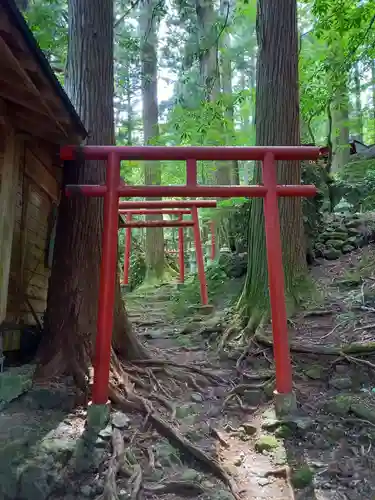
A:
[(302, 477), (352, 240), (266, 443), (319, 249), (331, 254), (315, 372), (363, 409), (353, 231), (354, 223), (340, 405), (337, 244), (284, 432), (335, 235), (347, 248)]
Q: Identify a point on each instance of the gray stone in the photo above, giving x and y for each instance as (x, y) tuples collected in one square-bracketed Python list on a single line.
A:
[(101, 443), (353, 223), (354, 231), (341, 369), (252, 397), (106, 433), (263, 481), (120, 420), (34, 484), (315, 372), (87, 491), (331, 254), (186, 410), (352, 241), (222, 495), (341, 383), (190, 475), (337, 244), (303, 423), (123, 495), (249, 429), (13, 385), (338, 406), (87, 457), (60, 448), (365, 410), (347, 248), (167, 455), (334, 235), (47, 399), (197, 397)]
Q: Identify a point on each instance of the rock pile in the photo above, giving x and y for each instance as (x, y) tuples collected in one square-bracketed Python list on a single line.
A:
[(342, 235)]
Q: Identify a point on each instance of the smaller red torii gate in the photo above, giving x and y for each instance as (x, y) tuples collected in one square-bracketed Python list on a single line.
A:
[(270, 191), (180, 223)]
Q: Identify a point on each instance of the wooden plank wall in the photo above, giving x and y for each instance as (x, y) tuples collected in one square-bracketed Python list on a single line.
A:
[(38, 190)]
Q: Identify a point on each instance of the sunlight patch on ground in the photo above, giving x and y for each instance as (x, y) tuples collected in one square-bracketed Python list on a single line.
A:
[(253, 469)]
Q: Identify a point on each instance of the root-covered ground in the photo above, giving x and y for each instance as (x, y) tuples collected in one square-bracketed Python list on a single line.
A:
[(210, 433)]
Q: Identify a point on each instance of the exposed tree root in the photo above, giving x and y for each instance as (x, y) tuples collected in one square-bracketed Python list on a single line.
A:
[(163, 362), (115, 464), (135, 402), (186, 488), (354, 348)]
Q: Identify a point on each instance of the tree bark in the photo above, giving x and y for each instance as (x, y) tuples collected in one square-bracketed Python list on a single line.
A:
[(373, 98), (148, 21), (226, 14), (340, 127), (277, 123), (71, 315), (358, 105)]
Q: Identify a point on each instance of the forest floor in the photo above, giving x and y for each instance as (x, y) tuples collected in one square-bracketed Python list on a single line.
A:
[(323, 453)]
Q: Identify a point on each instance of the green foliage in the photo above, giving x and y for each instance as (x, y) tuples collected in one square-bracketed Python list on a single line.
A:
[(189, 293), (48, 20), (315, 174), (357, 184)]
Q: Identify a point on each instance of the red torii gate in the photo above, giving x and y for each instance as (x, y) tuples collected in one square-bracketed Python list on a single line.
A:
[(270, 191), (175, 209)]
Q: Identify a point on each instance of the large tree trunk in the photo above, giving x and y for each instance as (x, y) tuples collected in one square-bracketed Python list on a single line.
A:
[(207, 21), (277, 123), (148, 21), (373, 98), (340, 127), (74, 285), (226, 8), (358, 105)]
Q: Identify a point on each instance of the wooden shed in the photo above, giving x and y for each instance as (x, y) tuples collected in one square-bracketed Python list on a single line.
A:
[(36, 118)]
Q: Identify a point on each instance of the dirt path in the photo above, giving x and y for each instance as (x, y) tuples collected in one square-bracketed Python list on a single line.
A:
[(230, 434), (324, 454)]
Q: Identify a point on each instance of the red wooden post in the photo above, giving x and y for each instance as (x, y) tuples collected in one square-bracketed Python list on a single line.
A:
[(181, 250), (191, 172), (108, 273), (283, 364), (213, 241), (128, 242), (199, 254)]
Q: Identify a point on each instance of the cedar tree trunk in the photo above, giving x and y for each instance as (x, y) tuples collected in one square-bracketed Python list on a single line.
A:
[(148, 21), (277, 123), (74, 285)]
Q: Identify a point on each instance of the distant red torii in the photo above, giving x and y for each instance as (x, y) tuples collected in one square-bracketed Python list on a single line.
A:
[(174, 209)]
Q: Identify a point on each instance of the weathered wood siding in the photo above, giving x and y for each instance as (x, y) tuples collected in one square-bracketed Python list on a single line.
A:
[(38, 191)]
